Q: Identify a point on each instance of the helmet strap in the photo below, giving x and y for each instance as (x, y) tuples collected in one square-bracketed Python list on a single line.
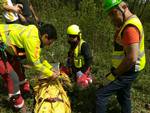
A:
[(122, 12), (80, 35)]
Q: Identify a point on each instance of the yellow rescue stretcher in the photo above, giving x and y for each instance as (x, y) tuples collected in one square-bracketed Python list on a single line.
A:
[(51, 97)]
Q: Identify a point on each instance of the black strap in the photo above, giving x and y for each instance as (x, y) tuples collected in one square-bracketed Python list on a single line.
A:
[(51, 99)]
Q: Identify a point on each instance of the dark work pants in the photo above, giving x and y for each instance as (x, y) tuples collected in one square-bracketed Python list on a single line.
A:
[(121, 87)]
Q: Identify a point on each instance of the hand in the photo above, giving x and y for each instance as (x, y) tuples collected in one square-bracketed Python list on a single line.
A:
[(27, 66), (55, 75), (83, 80), (51, 77), (54, 70), (18, 8)]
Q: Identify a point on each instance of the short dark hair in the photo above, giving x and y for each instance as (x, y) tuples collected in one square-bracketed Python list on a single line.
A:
[(48, 29)]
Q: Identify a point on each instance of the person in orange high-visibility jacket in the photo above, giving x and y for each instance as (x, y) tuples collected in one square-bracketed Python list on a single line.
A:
[(29, 39), (128, 57)]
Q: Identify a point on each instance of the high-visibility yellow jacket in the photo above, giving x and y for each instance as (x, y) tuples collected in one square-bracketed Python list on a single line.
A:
[(26, 37), (118, 55), (78, 58)]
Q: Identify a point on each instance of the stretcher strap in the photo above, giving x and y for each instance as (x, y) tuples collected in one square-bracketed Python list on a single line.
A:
[(51, 99)]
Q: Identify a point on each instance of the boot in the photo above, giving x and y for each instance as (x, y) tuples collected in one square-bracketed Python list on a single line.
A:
[(25, 90), (17, 103)]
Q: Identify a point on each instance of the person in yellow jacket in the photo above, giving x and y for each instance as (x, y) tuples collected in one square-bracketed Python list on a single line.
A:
[(128, 57), (18, 40), (79, 56)]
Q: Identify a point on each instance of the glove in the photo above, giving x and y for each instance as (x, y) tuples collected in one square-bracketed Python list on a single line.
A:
[(110, 77)]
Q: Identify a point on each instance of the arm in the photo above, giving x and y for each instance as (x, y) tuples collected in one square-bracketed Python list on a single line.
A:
[(83, 79), (69, 57), (33, 12), (14, 8), (32, 49), (129, 60), (22, 18), (85, 51), (130, 39)]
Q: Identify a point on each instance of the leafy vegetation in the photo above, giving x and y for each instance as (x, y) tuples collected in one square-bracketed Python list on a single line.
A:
[(98, 32)]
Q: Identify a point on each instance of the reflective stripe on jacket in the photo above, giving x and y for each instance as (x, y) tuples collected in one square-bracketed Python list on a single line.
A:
[(9, 16), (119, 55), (78, 58), (26, 37)]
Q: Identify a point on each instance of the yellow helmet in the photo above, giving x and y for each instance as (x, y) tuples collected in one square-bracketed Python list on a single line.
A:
[(73, 30)]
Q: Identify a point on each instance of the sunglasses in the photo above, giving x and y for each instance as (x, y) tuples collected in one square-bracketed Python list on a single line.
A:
[(72, 36)]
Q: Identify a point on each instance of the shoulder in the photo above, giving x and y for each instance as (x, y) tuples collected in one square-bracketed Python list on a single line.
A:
[(85, 46), (131, 35), (131, 31), (130, 28), (33, 28)]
